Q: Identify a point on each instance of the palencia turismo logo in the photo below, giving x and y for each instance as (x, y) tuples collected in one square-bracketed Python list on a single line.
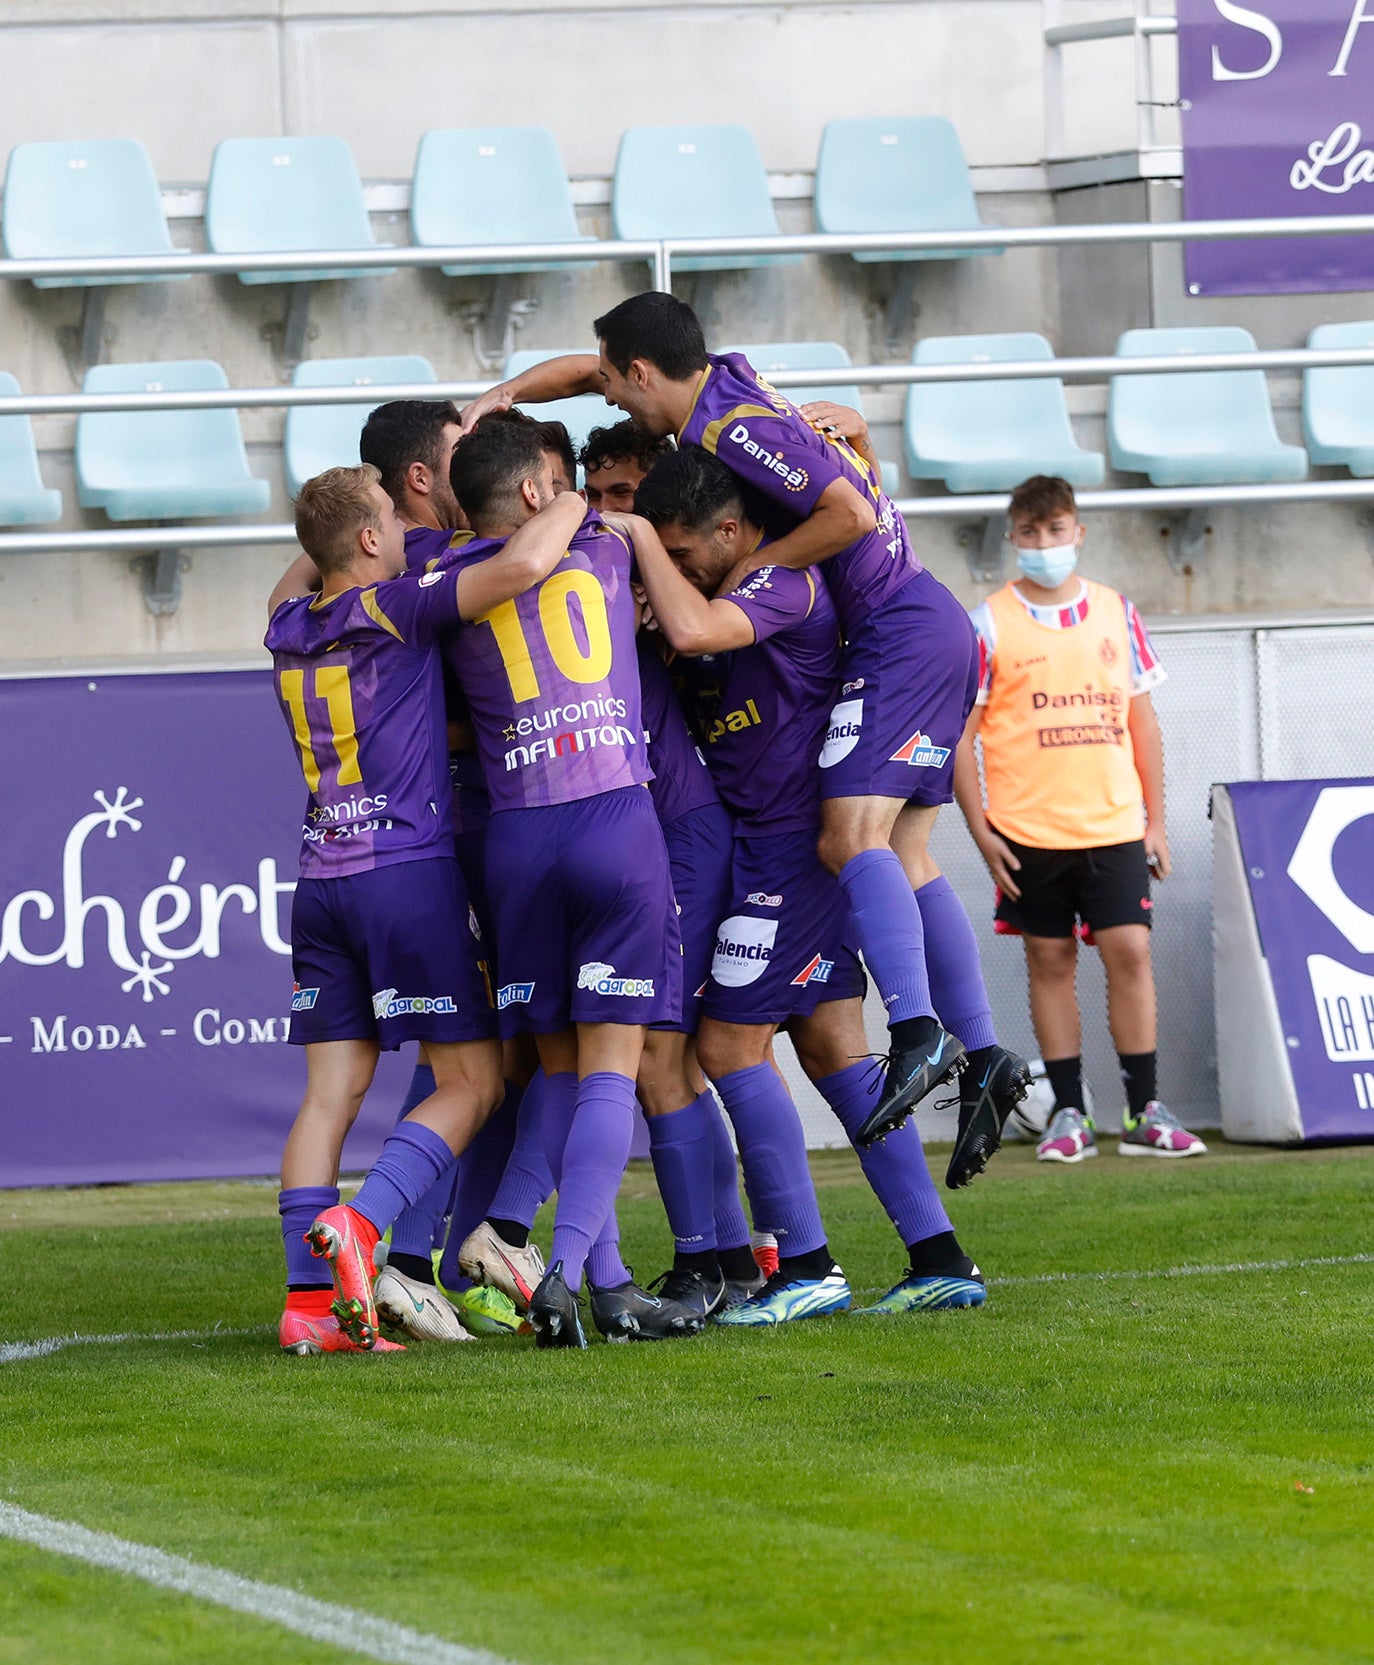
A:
[(142, 937)]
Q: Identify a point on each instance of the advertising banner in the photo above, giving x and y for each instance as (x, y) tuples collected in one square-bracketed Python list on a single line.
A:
[(1307, 850), (151, 832), (1277, 123)]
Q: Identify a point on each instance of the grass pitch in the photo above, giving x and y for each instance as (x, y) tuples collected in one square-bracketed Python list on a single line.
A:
[(1090, 1468)]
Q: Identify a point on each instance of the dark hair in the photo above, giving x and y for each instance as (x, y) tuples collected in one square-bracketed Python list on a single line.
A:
[(553, 436), (405, 431), (625, 442), (1042, 497), (689, 488), (656, 327), (490, 465)]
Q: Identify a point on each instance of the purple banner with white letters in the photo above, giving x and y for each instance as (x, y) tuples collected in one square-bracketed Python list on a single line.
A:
[(151, 834), (1278, 122), (1308, 848)]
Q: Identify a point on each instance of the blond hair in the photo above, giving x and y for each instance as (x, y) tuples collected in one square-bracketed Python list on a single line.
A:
[(331, 510)]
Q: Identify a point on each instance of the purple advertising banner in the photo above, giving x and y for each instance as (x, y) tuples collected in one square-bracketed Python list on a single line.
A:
[(151, 838), (1308, 848), (1277, 123)]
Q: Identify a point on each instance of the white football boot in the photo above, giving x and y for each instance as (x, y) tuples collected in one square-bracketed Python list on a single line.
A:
[(419, 1309)]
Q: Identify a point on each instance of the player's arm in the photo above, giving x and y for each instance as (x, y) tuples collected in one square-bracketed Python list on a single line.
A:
[(692, 623), (968, 793), (1148, 745), (842, 422), (527, 558), (302, 577), (555, 378)]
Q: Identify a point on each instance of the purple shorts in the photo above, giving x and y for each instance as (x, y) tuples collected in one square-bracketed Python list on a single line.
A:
[(700, 853), (388, 956), (586, 924), (909, 675), (784, 949)]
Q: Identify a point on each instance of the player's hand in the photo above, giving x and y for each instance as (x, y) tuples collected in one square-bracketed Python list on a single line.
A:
[(837, 420), (495, 398), (1157, 852), (997, 853), (620, 521)]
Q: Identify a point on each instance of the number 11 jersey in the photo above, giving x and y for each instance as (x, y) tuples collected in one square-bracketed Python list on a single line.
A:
[(552, 678)]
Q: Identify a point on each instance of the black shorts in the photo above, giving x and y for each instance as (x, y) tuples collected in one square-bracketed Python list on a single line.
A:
[(1102, 887)]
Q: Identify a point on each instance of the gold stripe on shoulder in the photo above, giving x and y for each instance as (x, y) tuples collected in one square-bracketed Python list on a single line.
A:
[(373, 608), (702, 379), (460, 538), (710, 436)]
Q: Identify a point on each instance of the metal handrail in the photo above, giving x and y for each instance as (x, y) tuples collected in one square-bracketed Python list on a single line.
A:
[(1109, 28), (1101, 368), (972, 507)]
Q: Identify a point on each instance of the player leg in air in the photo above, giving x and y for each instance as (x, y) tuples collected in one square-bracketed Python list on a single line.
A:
[(585, 924)]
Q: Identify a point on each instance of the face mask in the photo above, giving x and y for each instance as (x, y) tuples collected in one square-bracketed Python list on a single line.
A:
[(1048, 567)]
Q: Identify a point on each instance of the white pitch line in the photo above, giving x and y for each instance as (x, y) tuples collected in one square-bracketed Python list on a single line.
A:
[(1191, 1271), (14, 1352), (321, 1621)]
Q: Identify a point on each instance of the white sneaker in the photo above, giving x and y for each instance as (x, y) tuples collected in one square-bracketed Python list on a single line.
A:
[(417, 1308), (515, 1272)]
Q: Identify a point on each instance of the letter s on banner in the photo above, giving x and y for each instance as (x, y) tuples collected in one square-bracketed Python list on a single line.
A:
[(1247, 18)]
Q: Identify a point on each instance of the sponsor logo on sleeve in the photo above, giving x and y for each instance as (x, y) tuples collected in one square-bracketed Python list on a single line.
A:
[(386, 1003), (761, 899), (514, 994), (303, 1000), (744, 946), (600, 978), (816, 970), (846, 724), (921, 752), (430, 578), (795, 479), (852, 687)]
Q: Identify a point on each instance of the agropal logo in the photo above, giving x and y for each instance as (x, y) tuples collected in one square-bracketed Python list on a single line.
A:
[(143, 937)]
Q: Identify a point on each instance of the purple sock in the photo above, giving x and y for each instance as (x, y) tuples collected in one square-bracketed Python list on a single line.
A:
[(527, 1183), (896, 1168), (682, 1149), (956, 971), (605, 1268), (560, 1107), (419, 1229), (773, 1151), (732, 1229), (594, 1155), (298, 1208), (412, 1159), (478, 1173), (887, 921)]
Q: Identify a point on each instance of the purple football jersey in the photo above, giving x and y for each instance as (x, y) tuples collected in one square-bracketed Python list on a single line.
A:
[(425, 545), (360, 678), (763, 438), (766, 731), (552, 678), (681, 782)]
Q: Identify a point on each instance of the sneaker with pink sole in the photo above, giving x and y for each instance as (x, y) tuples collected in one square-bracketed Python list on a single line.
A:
[(1068, 1138), (1157, 1132)]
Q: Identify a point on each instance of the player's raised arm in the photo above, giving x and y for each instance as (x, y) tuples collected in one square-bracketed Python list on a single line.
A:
[(842, 516), (529, 556), (302, 577), (692, 622), (555, 378)]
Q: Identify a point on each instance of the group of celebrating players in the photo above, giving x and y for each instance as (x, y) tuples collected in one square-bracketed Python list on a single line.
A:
[(604, 792)]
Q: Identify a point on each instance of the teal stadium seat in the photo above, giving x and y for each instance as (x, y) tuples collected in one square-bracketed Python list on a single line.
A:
[(1214, 428), (989, 436), (768, 356), (1338, 405), (24, 499), (701, 181), (163, 465), (580, 414), (326, 436), (285, 195), (492, 185), (82, 199), (895, 173)]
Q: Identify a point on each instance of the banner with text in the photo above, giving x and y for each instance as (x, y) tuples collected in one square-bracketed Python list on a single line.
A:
[(1277, 123), (151, 837), (1308, 850)]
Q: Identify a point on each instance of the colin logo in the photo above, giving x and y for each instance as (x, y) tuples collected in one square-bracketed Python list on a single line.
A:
[(514, 994), (921, 752), (303, 1000)]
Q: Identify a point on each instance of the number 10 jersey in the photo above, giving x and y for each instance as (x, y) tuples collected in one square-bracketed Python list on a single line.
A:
[(552, 678)]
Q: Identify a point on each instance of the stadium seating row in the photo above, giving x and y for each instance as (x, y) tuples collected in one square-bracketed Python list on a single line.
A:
[(1204, 428), (484, 186)]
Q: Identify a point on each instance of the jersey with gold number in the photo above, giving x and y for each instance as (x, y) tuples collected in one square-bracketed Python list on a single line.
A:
[(552, 678), (360, 683)]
